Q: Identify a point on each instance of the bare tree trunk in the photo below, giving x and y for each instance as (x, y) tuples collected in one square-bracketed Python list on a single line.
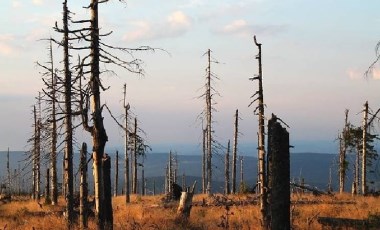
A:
[(34, 169), (68, 156), (355, 186), (364, 153), (47, 187), (170, 173), (38, 151), (234, 154), (116, 173), (261, 147), (204, 154), (209, 125), (142, 182), (53, 156), (126, 155), (342, 154), (134, 158), (227, 170), (83, 188), (108, 217)]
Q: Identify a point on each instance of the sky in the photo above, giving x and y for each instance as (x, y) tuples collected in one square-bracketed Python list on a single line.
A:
[(315, 54)]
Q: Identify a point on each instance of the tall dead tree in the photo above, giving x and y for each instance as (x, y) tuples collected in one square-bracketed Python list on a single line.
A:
[(227, 170), (364, 149), (342, 153), (9, 183), (126, 141), (259, 96), (134, 159), (234, 152), (116, 173)]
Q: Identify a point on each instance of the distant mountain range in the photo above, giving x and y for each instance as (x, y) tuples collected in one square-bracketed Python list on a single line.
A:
[(314, 168)]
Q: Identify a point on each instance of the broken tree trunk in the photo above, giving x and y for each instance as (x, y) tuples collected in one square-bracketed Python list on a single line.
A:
[(107, 202), (185, 203), (279, 175), (126, 155), (83, 188)]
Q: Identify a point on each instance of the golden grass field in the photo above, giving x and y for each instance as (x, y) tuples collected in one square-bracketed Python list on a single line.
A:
[(149, 213)]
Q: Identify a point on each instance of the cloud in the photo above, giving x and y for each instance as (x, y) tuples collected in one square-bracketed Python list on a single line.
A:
[(176, 24), (376, 74), (37, 2), (6, 47), (354, 74), (17, 4), (241, 27)]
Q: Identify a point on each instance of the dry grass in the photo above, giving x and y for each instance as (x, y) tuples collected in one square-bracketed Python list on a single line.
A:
[(149, 213)]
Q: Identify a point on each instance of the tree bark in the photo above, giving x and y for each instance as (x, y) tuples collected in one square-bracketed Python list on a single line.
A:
[(204, 157), (108, 217), (134, 158), (279, 175)]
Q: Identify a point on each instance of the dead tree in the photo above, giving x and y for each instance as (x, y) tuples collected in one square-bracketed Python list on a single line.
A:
[(234, 153), (259, 96), (364, 149), (134, 159), (83, 209), (342, 153), (227, 170), (279, 175), (126, 155), (9, 183), (116, 173)]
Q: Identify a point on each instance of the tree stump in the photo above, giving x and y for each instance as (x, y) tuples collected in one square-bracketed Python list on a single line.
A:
[(185, 203)]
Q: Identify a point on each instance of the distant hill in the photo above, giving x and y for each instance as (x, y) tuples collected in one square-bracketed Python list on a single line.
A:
[(313, 167)]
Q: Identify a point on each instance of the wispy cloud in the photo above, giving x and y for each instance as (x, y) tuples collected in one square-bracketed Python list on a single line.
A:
[(6, 47), (241, 27), (176, 24), (16, 4), (354, 74)]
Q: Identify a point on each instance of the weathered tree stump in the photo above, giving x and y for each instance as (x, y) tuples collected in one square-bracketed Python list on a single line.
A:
[(278, 175), (185, 203)]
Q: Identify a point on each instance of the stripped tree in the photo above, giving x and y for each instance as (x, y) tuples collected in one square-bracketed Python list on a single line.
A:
[(227, 170), (234, 152), (343, 142), (259, 96)]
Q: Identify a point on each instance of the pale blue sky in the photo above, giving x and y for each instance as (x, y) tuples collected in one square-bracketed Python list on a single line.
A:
[(314, 57)]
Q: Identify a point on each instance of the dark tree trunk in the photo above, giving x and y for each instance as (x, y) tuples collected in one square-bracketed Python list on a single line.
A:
[(47, 187), (134, 158), (227, 171), (116, 173), (279, 175), (83, 188), (108, 217), (234, 153), (126, 155)]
